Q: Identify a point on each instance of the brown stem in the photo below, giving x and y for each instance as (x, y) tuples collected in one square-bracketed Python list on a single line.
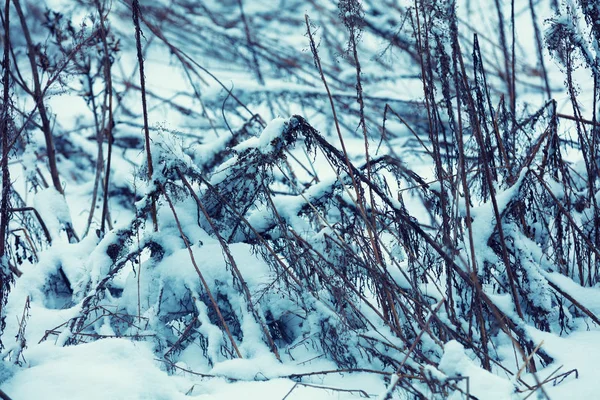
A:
[(233, 264), (4, 396), (425, 329), (475, 123), (108, 125), (4, 130), (39, 100), (317, 60), (255, 63), (204, 283), (99, 157), (39, 218), (467, 197), (363, 124), (540, 49), (135, 6)]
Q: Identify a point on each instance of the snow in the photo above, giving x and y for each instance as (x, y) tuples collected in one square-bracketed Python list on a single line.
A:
[(581, 351), (104, 369), (263, 143), (588, 297), (123, 369), (482, 384), (54, 210), (152, 298)]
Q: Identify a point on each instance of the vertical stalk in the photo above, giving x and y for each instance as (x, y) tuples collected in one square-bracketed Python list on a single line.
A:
[(99, 156), (475, 123), (4, 211), (513, 80), (5, 275), (540, 49), (462, 172), (250, 41), (504, 46), (138, 41), (422, 42), (38, 97), (108, 125)]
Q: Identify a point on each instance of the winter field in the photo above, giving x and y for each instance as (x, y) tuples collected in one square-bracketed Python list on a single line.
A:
[(300, 199)]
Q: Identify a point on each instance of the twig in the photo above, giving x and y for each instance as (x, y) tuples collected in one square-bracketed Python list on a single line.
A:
[(39, 99), (317, 59), (297, 384), (234, 266), (135, 6), (107, 125), (4, 131), (4, 396), (39, 218), (395, 382), (204, 283)]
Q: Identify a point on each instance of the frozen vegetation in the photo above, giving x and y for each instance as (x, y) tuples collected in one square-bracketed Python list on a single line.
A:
[(261, 199)]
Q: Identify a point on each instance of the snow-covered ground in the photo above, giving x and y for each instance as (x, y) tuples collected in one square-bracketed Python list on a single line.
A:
[(116, 369), (108, 358)]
